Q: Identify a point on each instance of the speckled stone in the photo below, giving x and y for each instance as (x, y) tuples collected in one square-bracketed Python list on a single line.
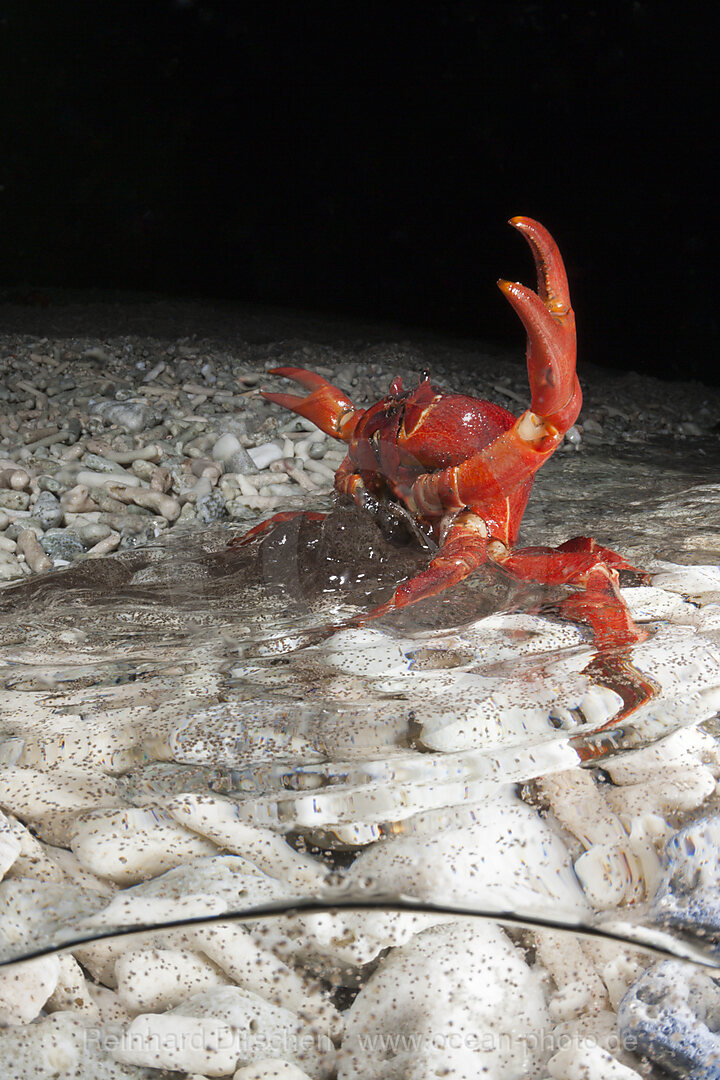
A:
[(61, 544), (210, 507), (48, 510), (14, 500)]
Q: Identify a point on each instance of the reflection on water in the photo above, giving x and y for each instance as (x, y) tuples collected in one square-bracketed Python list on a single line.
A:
[(184, 735)]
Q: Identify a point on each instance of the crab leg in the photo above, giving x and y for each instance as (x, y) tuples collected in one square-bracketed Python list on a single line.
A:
[(501, 474), (464, 549), (327, 406), (276, 519), (594, 568)]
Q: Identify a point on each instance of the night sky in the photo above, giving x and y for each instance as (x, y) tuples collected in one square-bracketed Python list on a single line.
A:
[(363, 158)]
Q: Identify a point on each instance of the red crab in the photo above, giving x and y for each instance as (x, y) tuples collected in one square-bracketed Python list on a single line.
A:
[(463, 468)]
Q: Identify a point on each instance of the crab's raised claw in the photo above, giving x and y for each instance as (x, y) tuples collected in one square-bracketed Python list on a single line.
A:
[(549, 321), (464, 549), (327, 406)]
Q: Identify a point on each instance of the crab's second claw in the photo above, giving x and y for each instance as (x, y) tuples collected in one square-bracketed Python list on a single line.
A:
[(327, 406), (549, 321)]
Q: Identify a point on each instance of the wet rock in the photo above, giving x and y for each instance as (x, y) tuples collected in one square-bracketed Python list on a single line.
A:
[(459, 998), (217, 1030), (688, 894), (670, 1015), (24, 989)]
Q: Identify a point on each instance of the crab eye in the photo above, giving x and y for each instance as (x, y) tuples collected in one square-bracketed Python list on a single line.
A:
[(424, 375), (396, 386)]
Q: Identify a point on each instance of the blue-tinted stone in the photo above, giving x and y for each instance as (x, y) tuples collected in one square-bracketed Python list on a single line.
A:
[(669, 1015), (688, 895)]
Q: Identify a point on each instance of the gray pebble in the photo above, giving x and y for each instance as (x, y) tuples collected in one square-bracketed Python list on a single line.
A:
[(62, 544), (133, 416), (14, 530), (48, 510), (92, 533), (49, 483), (100, 464), (210, 507), (317, 449), (4, 520)]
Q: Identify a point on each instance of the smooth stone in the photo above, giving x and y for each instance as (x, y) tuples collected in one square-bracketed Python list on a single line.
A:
[(92, 532), (10, 845), (150, 980), (225, 446), (211, 507), (101, 464), (135, 844), (670, 1015), (264, 455), (13, 531), (25, 987), (14, 500), (247, 964), (38, 913), (215, 1031), (11, 569), (214, 885), (217, 820), (338, 944), (457, 1000), (61, 1046), (61, 544), (49, 483), (484, 866)]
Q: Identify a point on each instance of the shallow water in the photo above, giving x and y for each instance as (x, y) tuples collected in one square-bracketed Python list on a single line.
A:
[(176, 707)]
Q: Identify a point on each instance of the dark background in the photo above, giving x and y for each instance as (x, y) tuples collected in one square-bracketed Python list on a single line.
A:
[(363, 158)]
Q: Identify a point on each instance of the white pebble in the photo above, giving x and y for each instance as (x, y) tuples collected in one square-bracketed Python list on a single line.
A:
[(149, 980), (457, 1000), (217, 819), (203, 887), (271, 1069), (10, 845), (25, 987), (133, 845), (225, 447), (92, 479), (166, 505), (588, 1062), (484, 866), (71, 990), (36, 795), (10, 569), (218, 1030), (263, 455)]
